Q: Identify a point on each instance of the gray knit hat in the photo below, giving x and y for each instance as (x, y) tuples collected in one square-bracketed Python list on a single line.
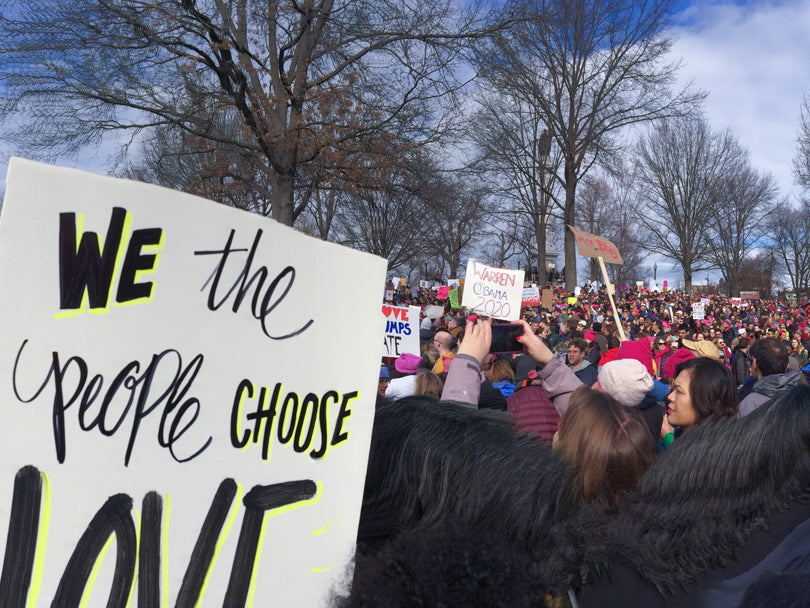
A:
[(626, 380)]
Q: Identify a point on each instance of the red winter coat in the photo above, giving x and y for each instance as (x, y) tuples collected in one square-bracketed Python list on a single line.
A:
[(534, 412)]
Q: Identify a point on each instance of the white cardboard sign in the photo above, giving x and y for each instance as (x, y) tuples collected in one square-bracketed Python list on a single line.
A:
[(158, 381), (434, 312), (494, 292), (401, 330)]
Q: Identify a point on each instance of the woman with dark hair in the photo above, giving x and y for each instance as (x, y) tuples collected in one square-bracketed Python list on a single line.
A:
[(727, 505), (607, 445), (702, 388)]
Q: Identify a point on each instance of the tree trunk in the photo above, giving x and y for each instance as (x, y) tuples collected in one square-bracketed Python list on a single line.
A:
[(569, 219), (733, 285), (540, 238), (282, 199), (687, 280)]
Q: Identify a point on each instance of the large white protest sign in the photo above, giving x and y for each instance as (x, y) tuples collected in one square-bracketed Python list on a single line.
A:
[(698, 311), (401, 330), (494, 292), (172, 384)]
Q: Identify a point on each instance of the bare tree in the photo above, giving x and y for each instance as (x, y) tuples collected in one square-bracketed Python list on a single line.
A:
[(789, 232), (681, 161), (743, 199), (607, 207), (515, 153), (502, 239), (593, 213), (592, 67), (321, 214), (453, 214), (225, 172), (383, 222), (314, 82), (758, 272), (801, 159)]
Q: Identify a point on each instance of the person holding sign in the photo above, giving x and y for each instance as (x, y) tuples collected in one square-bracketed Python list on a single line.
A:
[(620, 446)]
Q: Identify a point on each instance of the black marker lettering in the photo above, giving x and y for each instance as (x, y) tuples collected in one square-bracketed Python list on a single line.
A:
[(257, 501), (112, 518), (21, 541), (261, 306)]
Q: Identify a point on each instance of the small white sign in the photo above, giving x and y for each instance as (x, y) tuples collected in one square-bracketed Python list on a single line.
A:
[(401, 330), (494, 292)]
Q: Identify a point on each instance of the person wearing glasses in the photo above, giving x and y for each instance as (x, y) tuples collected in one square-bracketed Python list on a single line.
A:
[(660, 353)]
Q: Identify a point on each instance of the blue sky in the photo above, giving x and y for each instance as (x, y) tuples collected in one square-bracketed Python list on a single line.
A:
[(752, 58)]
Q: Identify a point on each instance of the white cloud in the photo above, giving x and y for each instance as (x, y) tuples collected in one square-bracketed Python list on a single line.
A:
[(754, 62)]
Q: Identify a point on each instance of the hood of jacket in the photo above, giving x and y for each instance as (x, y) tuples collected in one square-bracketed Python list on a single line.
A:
[(776, 383)]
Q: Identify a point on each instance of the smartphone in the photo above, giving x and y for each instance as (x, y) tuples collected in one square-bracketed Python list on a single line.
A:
[(505, 338)]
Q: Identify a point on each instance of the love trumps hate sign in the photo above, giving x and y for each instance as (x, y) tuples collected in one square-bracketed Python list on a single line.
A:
[(177, 429)]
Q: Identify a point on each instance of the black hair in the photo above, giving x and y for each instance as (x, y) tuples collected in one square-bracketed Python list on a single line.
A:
[(743, 342), (429, 460), (712, 389), (452, 563), (771, 355)]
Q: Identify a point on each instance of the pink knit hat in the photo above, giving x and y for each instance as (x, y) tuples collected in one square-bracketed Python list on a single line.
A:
[(638, 350), (682, 354), (407, 363)]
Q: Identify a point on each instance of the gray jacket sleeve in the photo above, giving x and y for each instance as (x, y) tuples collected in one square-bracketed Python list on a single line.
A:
[(559, 382), (463, 383)]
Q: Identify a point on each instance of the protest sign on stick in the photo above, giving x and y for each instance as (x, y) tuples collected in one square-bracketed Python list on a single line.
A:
[(172, 383), (592, 246), (401, 330), (494, 292)]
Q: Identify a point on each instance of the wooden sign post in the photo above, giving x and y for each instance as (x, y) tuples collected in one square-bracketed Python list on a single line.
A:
[(592, 246)]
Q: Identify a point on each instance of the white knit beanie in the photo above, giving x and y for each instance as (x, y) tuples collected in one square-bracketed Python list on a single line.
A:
[(626, 380)]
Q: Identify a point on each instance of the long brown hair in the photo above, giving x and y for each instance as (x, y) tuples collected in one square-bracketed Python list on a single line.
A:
[(608, 445)]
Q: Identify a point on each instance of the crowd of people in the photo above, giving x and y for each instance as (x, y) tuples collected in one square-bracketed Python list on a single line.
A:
[(662, 406)]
